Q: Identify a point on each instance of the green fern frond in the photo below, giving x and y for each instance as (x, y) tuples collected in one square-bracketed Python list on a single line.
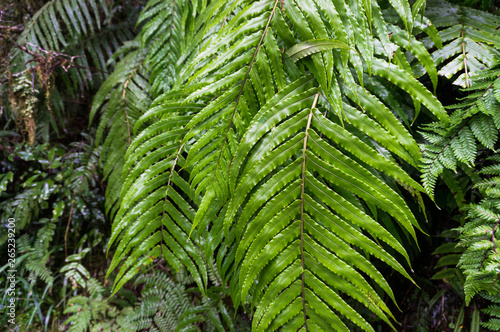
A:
[(80, 321), (167, 211), (479, 236), (167, 306), (169, 200), (472, 129), (263, 160), (469, 37), (293, 181), (493, 324)]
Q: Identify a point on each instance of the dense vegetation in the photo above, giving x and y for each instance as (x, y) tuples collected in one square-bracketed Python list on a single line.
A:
[(248, 165)]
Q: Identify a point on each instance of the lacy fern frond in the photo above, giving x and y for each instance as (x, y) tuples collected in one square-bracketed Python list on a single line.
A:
[(480, 261), (474, 128), (38, 253), (493, 324), (168, 306)]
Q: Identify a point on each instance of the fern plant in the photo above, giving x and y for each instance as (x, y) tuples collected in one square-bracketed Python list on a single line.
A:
[(264, 151), (478, 237), (480, 258), (168, 306), (493, 323), (467, 147), (474, 128)]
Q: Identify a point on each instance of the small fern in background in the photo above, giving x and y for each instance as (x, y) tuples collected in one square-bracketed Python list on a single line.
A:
[(88, 310), (473, 130), (167, 303), (468, 147), (480, 261), (91, 311)]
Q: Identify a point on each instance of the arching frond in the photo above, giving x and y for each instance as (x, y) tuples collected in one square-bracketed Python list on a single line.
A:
[(122, 98), (264, 153), (291, 202)]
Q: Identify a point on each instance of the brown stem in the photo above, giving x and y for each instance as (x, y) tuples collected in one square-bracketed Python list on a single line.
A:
[(302, 206), (16, 27)]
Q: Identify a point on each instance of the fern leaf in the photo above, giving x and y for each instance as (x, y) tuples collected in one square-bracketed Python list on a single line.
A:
[(262, 239)]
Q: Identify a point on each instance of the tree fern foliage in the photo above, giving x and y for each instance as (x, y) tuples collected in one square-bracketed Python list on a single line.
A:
[(474, 128), (480, 259), (263, 153)]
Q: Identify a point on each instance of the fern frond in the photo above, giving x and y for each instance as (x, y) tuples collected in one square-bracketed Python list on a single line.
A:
[(158, 205), (128, 96), (80, 321), (470, 40), (286, 190), (472, 128), (479, 236), (167, 305)]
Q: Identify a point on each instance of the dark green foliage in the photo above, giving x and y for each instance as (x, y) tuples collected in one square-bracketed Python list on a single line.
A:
[(63, 50), (259, 164), (473, 130), (54, 196), (167, 303)]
